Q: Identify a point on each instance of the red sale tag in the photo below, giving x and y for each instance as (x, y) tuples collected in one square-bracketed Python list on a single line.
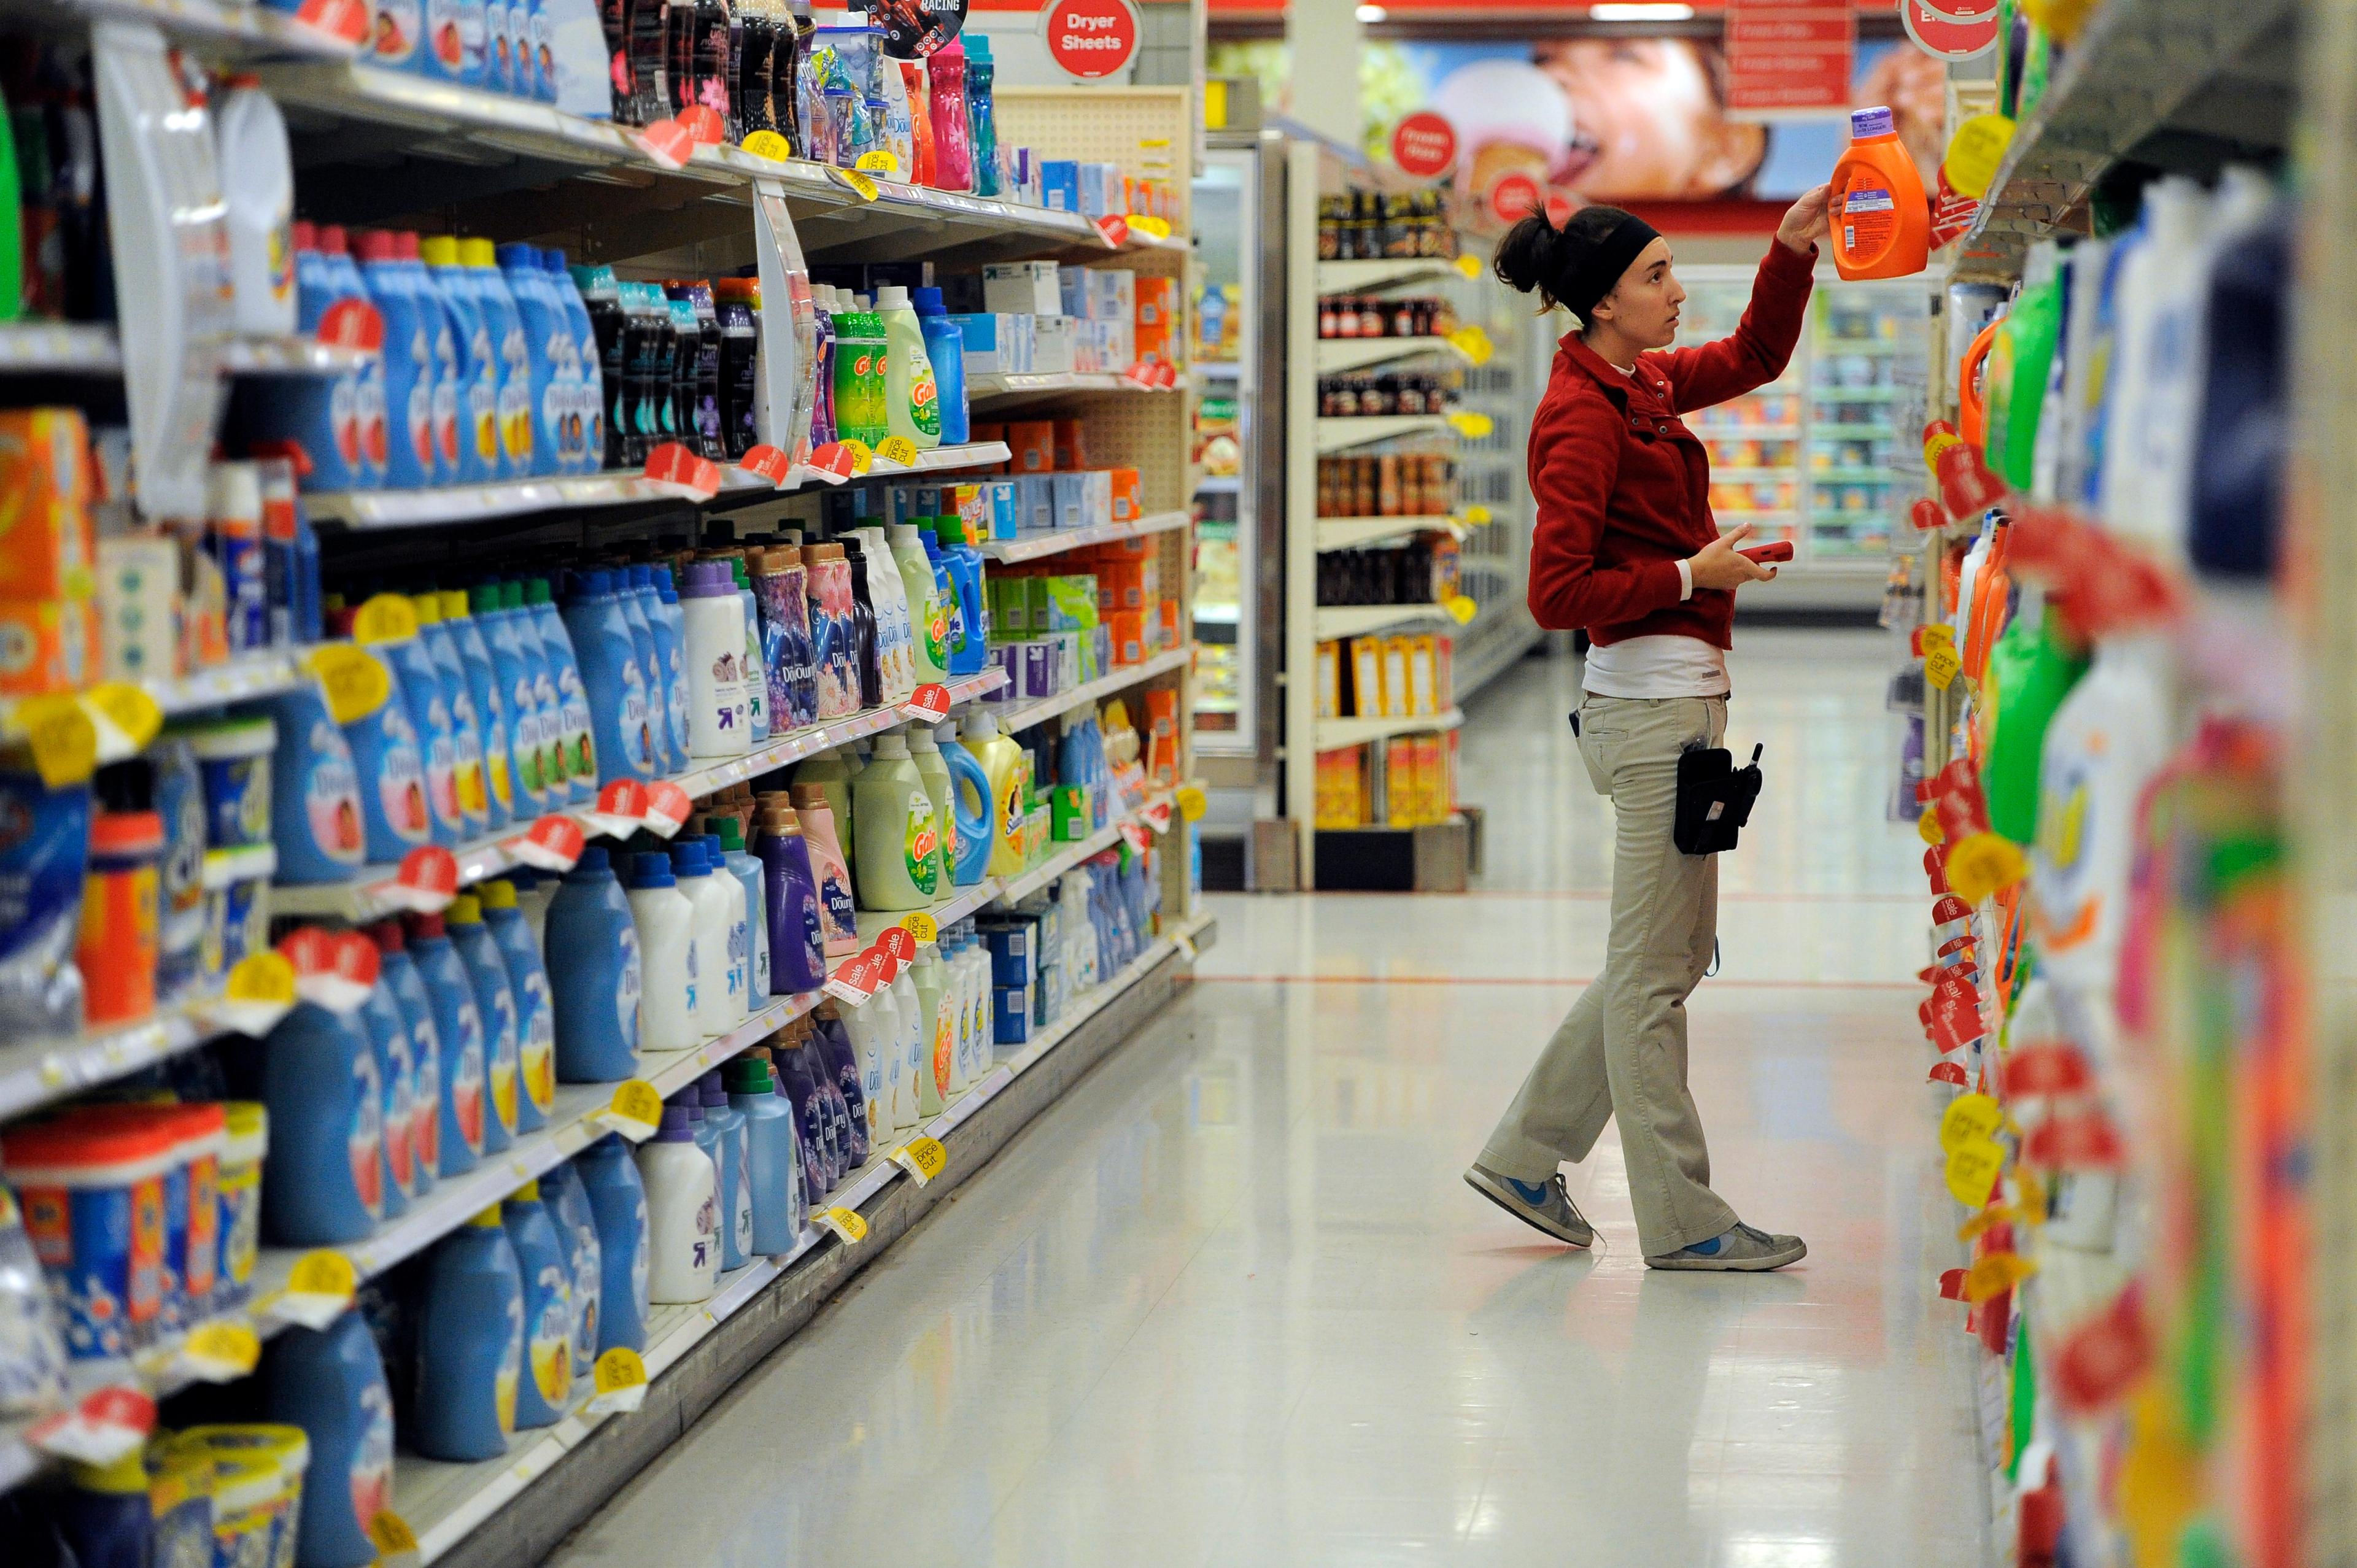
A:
[(835, 462), (621, 810), (1139, 374), (1135, 836), (1165, 376), (668, 808), (930, 703), (1948, 1072), (552, 843), (2097, 1361), (101, 1429), (2046, 1067), (1935, 866), (427, 881), (1955, 1015), (767, 461), (1951, 1284), (317, 957), (887, 961), (705, 124), (855, 981), (901, 944), (673, 464), (1968, 488), (357, 959), (1949, 909), (352, 324), (1926, 515), (667, 142), (1957, 796), (1114, 228), (345, 19), (2083, 1142)]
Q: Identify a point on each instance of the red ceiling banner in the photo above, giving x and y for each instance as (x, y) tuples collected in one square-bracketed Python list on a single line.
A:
[(1789, 57)]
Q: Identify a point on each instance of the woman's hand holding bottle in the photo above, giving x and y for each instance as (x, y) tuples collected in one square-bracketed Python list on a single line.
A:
[(1807, 222), (1720, 564)]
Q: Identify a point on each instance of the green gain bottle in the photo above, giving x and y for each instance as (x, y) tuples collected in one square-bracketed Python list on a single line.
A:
[(2030, 670)]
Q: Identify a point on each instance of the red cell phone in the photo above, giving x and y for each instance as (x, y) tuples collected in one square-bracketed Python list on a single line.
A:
[(1763, 555)]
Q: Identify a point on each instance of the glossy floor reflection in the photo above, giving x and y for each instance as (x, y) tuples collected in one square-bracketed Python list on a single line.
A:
[(1230, 1304)]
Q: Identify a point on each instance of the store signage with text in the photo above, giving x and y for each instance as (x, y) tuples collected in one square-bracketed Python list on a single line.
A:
[(1091, 38), (1788, 57)]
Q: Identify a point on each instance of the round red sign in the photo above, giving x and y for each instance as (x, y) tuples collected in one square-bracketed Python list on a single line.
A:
[(1560, 206), (1091, 38), (1514, 197), (1948, 29), (1423, 144)]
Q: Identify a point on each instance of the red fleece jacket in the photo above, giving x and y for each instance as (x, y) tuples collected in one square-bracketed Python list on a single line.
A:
[(1623, 487)]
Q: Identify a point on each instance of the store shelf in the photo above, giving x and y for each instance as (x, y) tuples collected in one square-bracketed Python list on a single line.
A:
[(1037, 545), (1358, 620), (1341, 435), (1737, 473), (374, 893), (1352, 278), (1861, 394), (1349, 533), (34, 1073), (1218, 370), (247, 31), (443, 1503), (1218, 485), (1338, 354), (1748, 431), (239, 680), (51, 348), (517, 498), (293, 357), (1218, 615), (1335, 734), (1851, 477), (1013, 717), (2141, 71), (992, 387)]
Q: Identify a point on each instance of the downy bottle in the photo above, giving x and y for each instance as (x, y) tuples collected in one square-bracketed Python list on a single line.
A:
[(469, 1345), (790, 902), (479, 458), (578, 742), (517, 395), (594, 975), (683, 1213), (601, 303), (617, 1199), (773, 1158), (495, 1001), (416, 1009), (535, 1009), (491, 711), (615, 685), (458, 702), (459, 1022), (546, 1275), (576, 1232), (830, 869), (513, 684), (397, 1077), (324, 1184), (631, 596), (726, 1125), (330, 1383)]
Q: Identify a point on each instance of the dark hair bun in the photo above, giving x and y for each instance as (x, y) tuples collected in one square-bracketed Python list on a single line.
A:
[(1535, 254)]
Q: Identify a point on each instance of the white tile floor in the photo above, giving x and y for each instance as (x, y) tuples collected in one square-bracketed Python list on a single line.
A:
[(1229, 1302)]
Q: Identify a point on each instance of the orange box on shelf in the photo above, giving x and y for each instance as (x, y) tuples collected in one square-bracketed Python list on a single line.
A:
[(1399, 782), (1366, 677), (1032, 442), (1432, 780), (1162, 736), (1330, 680), (1129, 628), (45, 548), (1339, 789), (1071, 447), (1169, 618), (1157, 320), (1125, 505), (1121, 585), (47, 646)]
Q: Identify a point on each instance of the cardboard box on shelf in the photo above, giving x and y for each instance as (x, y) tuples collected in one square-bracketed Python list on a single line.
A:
[(1023, 288)]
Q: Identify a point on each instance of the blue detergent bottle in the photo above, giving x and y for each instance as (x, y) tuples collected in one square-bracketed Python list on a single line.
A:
[(611, 675), (548, 352), (511, 677), (409, 363), (330, 1383), (970, 803), (578, 738), (539, 663), (478, 363), (458, 1022), (495, 1002), (617, 1199), (593, 974), (843, 1060), (757, 684), (576, 1231), (316, 823), (728, 1125), (547, 1273), (602, 346), (326, 416), (429, 717), (969, 645), (728, 846), (668, 622), (465, 724), (389, 1037), (403, 983), (535, 1012), (519, 455), (631, 598), (813, 1127), (469, 1347), (396, 806), (324, 1182), (449, 372), (772, 1159), (945, 347), (589, 360)]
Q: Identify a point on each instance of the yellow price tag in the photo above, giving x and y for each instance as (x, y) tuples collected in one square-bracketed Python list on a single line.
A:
[(323, 1272), (1939, 441), (1475, 516), (64, 741), (1975, 151), (862, 458), (390, 1535), (1469, 266), (860, 184), (881, 161), (922, 1158), (620, 1367), (922, 926), (353, 681), (1473, 343), (1984, 863), (1995, 1274), (387, 617), (636, 1110), (1938, 634), (128, 709), (1969, 1116), (263, 977), (1973, 1168), (1941, 667), (769, 144), (1191, 802), (1158, 227), (1995, 1215), (1460, 608), (899, 449), (1927, 826), (846, 1223), (1472, 426), (222, 1350)]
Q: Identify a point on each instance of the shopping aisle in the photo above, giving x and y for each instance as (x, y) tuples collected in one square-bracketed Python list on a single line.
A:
[(1228, 1302)]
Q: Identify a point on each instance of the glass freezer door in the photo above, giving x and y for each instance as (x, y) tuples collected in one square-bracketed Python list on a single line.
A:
[(1226, 325)]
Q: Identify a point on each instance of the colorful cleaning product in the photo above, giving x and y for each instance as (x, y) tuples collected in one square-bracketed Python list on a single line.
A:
[(632, 596), (2030, 670), (516, 683), (594, 975), (716, 938), (535, 1008), (484, 688), (412, 458), (615, 685), (790, 903), (576, 1232), (94, 1191), (898, 845), (316, 823), (925, 752), (588, 351), (944, 343), (718, 712), (813, 1126), (549, 353), (666, 625), (750, 669), (516, 395), (2021, 353), (726, 1124), (449, 382), (970, 809), (389, 755), (772, 1159), (929, 616), (936, 1028), (487, 971), (683, 1213), (546, 1275), (617, 1201), (1007, 767), (842, 1059), (420, 684), (961, 563), (330, 1383), (396, 1073), (665, 923), (466, 725), (465, 1052), (562, 699), (912, 398), (916, 1042), (324, 1183), (407, 988), (838, 922), (747, 871), (476, 363), (1881, 222), (469, 1346)]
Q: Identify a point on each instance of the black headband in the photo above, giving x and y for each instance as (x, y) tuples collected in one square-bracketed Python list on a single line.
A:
[(1601, 271)]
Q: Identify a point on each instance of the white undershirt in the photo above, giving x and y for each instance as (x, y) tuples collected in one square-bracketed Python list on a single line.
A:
[(1667, 664)]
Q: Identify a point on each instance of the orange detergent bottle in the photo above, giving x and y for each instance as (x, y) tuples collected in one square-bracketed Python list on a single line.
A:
[(1881, 223)]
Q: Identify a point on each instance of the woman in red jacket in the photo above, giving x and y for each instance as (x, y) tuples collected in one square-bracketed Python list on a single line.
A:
[(1625, 547)]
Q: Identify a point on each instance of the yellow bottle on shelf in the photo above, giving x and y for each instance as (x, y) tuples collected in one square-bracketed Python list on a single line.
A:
[(1008, 767)]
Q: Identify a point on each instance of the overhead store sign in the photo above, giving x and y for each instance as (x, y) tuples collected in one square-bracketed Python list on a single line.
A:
[(1091, 38), (1423, 144), (1789, 57)]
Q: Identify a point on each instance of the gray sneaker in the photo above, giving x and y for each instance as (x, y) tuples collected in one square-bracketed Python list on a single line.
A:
[(1743, 1250), (1545, 1206)]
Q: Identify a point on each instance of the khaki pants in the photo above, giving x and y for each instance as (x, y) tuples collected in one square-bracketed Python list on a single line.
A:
[(1622, 1049)]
